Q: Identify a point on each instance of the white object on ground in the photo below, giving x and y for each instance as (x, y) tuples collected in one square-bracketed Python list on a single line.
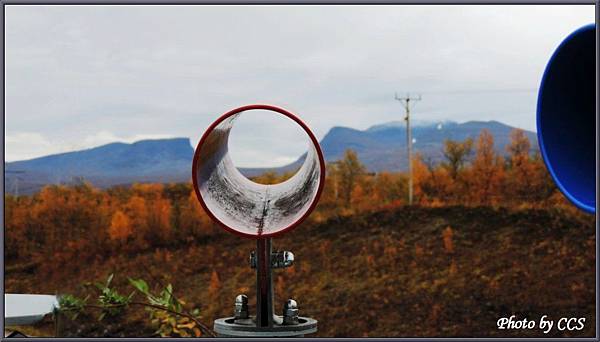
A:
[(27, 309)]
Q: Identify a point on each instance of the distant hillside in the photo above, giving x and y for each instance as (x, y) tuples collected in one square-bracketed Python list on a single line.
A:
[(381, 147), (164, 160)]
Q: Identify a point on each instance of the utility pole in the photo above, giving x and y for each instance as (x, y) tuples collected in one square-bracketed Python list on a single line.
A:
[(406, 103)]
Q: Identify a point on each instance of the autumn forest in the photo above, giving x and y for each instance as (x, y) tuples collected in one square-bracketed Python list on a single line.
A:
[(488, 235)]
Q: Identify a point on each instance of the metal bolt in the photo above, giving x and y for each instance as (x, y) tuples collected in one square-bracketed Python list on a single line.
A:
[(241, 307), (290, 312), (286, 259), (252, 259)]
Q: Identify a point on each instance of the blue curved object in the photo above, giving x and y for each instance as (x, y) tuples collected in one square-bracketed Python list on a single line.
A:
[(566, 117)]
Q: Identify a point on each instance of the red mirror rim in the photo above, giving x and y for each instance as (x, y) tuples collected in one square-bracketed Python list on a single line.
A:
[(314, 141)]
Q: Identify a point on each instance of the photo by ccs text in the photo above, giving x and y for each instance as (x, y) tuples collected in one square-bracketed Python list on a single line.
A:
[(546, 324)]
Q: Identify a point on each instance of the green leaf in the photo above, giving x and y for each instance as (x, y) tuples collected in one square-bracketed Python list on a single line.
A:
[(140, 285), (110, 278)]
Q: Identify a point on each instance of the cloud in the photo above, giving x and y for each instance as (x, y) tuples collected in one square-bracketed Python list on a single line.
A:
[(106, 137), (74, 73), (26, 145)]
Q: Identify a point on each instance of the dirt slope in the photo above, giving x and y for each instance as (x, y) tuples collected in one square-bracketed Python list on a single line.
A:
[(399, 273)]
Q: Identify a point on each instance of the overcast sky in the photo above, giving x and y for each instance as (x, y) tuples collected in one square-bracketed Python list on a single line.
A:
[(82, 76)]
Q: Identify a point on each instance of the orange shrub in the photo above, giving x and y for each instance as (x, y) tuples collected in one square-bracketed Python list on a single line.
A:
[(120, 227)]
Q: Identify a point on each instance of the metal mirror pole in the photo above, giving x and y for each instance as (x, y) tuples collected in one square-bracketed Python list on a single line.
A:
[(258, 211), (264, 284)]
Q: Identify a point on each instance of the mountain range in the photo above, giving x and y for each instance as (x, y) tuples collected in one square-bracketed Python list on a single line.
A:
[(380, 147)]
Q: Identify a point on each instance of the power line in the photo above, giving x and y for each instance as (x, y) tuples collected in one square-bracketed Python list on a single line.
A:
[(406, 101), (16, 180)]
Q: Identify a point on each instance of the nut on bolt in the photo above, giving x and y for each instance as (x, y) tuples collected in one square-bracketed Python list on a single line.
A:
[(290, 312), (241, 307)]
